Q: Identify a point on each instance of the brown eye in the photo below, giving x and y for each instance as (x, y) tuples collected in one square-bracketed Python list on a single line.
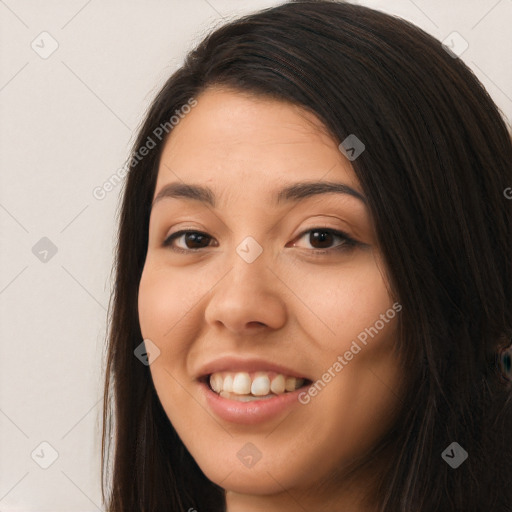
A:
[(322, 239), (192, 240)]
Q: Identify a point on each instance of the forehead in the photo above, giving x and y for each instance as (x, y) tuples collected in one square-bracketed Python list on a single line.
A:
[(232, 140)]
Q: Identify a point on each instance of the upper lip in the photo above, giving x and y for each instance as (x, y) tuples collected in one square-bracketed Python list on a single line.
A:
[(239, 364)]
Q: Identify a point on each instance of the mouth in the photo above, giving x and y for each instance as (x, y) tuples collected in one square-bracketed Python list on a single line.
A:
[(242, 386)]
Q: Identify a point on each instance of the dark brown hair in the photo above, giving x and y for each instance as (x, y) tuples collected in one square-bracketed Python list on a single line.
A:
[(437, 160)]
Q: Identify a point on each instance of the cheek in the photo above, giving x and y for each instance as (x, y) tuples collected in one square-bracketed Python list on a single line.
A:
[(166, 300), (353, 325), (342, 302), (166, 317)]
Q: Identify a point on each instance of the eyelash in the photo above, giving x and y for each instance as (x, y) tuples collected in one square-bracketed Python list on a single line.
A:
[(347, 244)]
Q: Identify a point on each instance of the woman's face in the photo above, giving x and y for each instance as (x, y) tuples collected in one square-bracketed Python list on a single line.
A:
[(267, 286)]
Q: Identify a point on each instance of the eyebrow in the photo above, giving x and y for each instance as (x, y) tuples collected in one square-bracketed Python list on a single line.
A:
[(294, 192)]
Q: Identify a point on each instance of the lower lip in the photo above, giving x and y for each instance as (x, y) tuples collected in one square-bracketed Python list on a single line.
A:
[(253, 412)]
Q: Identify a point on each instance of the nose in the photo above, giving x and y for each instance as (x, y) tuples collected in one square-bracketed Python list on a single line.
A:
[(247, 299)]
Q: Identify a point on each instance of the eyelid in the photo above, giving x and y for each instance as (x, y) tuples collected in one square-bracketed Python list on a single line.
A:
[(317, 227)]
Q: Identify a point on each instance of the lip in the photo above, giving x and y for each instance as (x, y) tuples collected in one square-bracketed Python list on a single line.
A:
[(256, 411), (238, 364), (249, 413)]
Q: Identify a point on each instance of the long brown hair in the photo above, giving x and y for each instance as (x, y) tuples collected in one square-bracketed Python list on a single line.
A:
[(438, 158)]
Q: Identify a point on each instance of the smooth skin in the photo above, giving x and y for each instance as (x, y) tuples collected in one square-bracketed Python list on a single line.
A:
[(291, 306)]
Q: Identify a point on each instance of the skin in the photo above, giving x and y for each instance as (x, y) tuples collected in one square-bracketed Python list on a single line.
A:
[(287, 306)]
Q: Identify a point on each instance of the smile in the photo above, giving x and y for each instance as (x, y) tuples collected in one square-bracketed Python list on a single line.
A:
[(250, 386)]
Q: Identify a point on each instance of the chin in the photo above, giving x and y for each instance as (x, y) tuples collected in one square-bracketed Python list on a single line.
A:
[(264, 477)]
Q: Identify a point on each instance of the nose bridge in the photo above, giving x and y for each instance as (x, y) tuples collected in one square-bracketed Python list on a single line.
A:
[(248, 294), (248, 268), (250, 250)]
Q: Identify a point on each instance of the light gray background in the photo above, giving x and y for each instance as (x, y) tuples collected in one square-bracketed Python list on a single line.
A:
[(67, 123)]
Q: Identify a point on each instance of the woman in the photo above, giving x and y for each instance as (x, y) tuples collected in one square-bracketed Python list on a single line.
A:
[(313, 302)]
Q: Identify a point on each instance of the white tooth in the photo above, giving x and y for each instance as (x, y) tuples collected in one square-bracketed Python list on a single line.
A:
[(242, 383), (278, 384), (290, 383), (228, 383), (260, 385), (216, 382)]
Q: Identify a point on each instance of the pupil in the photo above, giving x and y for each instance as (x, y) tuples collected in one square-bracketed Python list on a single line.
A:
[(322, 237), (193, 238)]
